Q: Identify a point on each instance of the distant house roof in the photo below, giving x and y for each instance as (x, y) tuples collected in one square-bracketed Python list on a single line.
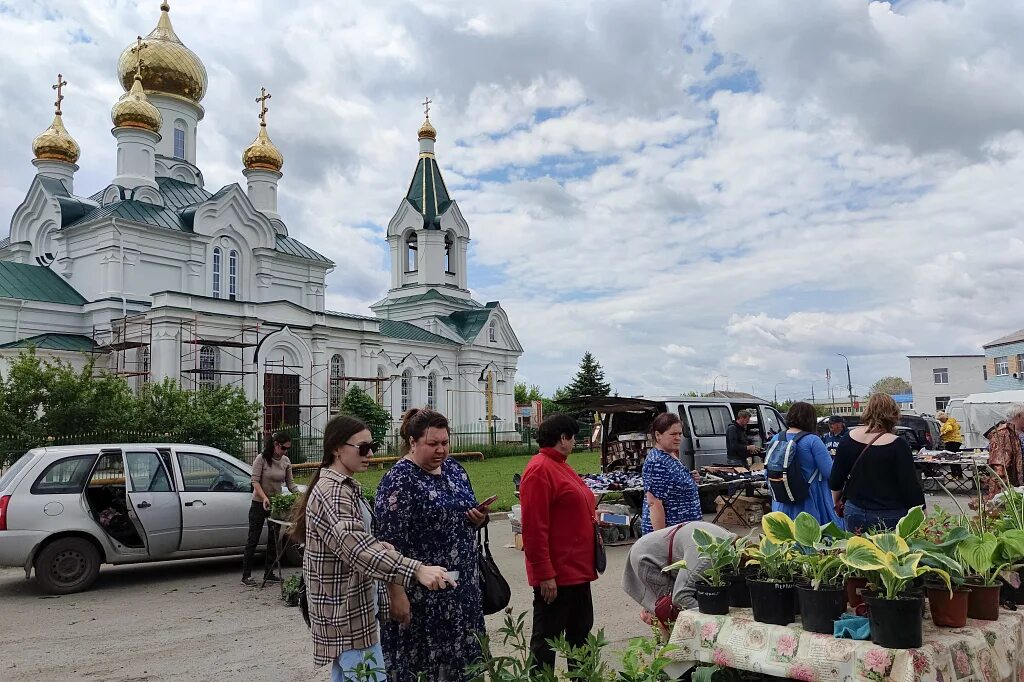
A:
[(410, 332), (35, 283), (1015, 337), (69, 342), (468, 323), (733, 395), (428, 193), (178, 213)]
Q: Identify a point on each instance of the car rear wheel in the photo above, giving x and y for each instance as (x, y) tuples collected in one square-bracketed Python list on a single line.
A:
[(67, 565)]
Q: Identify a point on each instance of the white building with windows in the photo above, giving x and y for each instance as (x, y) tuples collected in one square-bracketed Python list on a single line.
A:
[(156, 276), (937, 379)]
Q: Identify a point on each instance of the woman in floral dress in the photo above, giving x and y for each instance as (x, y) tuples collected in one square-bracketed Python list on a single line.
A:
[(425, 507)]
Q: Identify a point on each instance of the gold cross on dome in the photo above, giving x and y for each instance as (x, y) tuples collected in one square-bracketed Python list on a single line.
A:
[(426, 107), (137, 51), (60, 96), (262, 99)]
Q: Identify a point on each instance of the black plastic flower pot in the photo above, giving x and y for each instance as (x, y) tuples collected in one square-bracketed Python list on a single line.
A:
[(773, 603), (896, 623), (820, 608), (712, 599), (739, 595)]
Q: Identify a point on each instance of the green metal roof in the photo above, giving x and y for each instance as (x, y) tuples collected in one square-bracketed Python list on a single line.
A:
[(178, 194), (428, 193), (136, 211), (410, 332), (468, 323), (35, 283), (294, 247), (430, 295), (71, 342)]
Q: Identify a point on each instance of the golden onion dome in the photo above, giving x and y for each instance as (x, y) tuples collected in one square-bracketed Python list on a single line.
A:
[(262, 153), (169, 68), (134, 110), (55, 143), (426, 131)]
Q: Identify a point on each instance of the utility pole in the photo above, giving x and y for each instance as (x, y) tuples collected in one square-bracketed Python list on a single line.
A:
[(812, 393), (849, 381)]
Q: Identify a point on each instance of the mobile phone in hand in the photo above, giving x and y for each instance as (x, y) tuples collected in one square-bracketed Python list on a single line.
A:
[(487, 503)]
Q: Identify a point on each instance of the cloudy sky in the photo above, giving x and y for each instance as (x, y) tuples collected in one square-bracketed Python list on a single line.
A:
[(698, 192)]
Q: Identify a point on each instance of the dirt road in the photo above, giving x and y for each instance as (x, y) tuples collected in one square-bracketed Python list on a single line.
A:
[(192, 620)]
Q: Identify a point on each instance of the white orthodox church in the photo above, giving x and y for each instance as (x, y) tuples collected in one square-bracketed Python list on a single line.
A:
[(155, 276)]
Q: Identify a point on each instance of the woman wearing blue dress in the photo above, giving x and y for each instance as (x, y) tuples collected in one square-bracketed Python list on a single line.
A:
[(425, 507), (670, 488), (815, 465)]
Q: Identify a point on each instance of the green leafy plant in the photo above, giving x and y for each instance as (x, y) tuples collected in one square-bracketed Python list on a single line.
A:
[(990, 556), (290, 589), (818, 551), (774, 554), (281, 505), (890, 558), (721, 553), (358, 403)]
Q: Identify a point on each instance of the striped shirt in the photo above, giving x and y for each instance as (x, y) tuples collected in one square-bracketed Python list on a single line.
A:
[(341, 564)]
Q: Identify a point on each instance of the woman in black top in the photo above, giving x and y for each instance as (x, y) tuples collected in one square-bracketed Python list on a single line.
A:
[(882, 487)]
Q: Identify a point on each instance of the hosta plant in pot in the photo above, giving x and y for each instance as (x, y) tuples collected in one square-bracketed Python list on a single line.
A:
[(772, 586), (937, 539), (717, 558), (895, 610), (987, 557), (822, 591)]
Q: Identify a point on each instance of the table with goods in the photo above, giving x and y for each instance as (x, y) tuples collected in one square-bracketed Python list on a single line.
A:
[(954, 471), (932, 599)]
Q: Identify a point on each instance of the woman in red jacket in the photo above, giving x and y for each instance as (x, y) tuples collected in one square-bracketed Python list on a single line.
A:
[(558, 539)]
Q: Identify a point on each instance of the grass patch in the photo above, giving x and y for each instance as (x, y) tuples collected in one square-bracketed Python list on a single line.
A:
[(493, 476)]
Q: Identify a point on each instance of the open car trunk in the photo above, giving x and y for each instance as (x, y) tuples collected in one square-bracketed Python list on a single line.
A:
[(625, 431)]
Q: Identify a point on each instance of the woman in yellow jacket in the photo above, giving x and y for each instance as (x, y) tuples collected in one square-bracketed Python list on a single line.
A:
[(949, 433)]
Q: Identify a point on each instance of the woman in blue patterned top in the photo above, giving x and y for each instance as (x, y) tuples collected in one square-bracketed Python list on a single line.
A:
[(425, 507), (670, 489)]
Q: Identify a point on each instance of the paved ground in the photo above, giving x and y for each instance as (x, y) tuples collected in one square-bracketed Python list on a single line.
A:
[(193, 620)]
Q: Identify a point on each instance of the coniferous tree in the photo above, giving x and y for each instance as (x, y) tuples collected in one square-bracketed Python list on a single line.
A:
[(589, 380)]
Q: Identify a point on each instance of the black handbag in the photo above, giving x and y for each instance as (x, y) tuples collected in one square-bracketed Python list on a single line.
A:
[(494, 588), (600, 558)]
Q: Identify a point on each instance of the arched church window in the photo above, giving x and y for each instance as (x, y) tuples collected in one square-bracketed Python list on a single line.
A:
[(492, 332), (232, 275), (218, 264), (406, 390), (449, 262), (208, 362), (432, 391), (179, 139), (411, 252), (337, 389)]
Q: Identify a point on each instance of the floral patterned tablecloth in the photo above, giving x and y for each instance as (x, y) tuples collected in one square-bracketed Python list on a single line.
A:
[(981, 651)]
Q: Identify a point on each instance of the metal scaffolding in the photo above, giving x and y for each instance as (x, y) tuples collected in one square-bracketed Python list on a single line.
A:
[(128, 341), (207, 360)]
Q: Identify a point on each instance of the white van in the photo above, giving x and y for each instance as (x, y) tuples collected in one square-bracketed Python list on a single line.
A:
[(979, 412), (626, 427)]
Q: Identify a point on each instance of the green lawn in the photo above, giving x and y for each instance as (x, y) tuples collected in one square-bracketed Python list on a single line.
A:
[(494, 476)]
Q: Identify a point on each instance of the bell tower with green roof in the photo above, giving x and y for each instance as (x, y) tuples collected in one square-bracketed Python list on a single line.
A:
[(428, 241)]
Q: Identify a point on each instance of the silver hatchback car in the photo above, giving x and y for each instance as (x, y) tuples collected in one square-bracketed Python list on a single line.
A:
[(66, 510)]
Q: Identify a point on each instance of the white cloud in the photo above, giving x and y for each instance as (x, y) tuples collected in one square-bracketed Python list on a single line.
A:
[(690, 190)]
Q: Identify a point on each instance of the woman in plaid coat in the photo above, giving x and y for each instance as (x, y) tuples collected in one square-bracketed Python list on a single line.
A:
[(343, 560)]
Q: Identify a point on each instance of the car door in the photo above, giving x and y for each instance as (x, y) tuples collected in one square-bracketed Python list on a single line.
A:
[(708, 422), (153, 500), (215, 500), (771, 422)]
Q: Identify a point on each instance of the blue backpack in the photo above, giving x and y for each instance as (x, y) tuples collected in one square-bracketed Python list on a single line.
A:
[(785, 479)]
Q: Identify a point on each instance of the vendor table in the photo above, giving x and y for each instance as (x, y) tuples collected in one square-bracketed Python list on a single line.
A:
[(982, 651), (729, 492), (940, 470)]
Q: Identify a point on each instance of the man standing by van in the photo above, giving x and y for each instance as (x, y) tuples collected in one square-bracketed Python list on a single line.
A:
[(738, 452)]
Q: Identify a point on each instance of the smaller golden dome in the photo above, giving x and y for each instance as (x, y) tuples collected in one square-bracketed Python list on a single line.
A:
[(426, 131), (56, 143), (262, 153), (134, 110)]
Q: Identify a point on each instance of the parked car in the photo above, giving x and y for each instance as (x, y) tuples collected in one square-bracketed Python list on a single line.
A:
[(919, 430), (66, 510), (626, 426)]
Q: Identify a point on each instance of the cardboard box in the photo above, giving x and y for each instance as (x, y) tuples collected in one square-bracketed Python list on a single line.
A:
[(745, 511)]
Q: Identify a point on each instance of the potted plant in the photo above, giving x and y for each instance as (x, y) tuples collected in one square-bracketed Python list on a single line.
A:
[(281, 505), (712, 588), (895, 610), (772, 590), (822, 593), (989, 556), (937, 540), (736, 574)]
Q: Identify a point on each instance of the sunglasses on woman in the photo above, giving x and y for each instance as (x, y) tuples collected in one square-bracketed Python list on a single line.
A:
[(365, 448)]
